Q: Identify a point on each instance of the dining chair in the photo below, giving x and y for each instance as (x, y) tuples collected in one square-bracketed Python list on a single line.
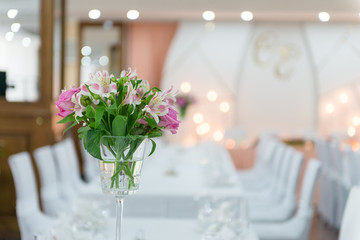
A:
[(91, 167), (68, 176), (297, 227), (30, 218), (349, 229), (284, 209), (52, 203), (265, 181)]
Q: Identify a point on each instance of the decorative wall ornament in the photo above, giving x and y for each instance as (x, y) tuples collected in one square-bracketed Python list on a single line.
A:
[(269, 50)]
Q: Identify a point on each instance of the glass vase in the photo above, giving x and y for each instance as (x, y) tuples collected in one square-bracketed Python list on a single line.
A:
[(120, 169)]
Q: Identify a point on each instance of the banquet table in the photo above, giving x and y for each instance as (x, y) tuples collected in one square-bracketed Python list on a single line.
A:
[(148, 229), (173, 180)]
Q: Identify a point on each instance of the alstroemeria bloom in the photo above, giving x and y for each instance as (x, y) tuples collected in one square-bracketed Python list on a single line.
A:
[(142, 88), (170, 96), (131, 95), (157, 107), (131, 74), (169, 121), (65, 103), (100, 84)]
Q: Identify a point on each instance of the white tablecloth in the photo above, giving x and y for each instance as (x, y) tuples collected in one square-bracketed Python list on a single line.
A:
[(167, 229), (202, 170)]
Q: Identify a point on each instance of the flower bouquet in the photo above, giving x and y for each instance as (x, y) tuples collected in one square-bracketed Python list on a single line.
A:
[(117, 116), (183, 102)]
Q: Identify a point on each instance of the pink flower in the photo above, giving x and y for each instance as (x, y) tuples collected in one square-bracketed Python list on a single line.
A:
[(170, 96), (169, 121), (65, 104), (131, 95), (100, 84), (157, 107), (131, 74), (143, 87)]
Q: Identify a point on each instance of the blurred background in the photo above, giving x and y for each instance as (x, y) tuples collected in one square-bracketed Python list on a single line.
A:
[(242, 68)]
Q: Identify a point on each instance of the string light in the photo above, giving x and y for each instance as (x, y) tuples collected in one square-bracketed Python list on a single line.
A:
[(218, 136), (230, 144), (351, 131), (329, 108), (224, 107), (356, 121), (343, 98), (203, 128), (198, 118), (212, 96), (185, 87)]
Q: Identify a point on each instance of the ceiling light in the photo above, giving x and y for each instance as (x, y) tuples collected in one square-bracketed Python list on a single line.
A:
[(185, 87), (15, 27), (9, 36), (247, 16), (103, 60), (133, 14), (12, 13), (86, 51), (212, 96), (324, 16), (26, 42), (208, 15), (94, 13)]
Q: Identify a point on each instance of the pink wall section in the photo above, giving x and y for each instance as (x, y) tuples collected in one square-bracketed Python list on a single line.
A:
[(148, 44)]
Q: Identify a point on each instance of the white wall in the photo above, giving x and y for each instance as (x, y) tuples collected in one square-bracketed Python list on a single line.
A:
[(321, 57)]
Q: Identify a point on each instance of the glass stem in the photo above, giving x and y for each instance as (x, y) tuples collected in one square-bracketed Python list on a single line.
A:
[(119, 215)]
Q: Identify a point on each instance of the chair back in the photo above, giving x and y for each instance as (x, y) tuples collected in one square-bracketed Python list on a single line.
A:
[(350, 223), (50, 185), (22, 170), (64, 165), (293, 179)]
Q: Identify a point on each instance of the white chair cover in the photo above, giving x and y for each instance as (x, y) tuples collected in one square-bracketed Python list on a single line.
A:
[(91, 167), (31, 220), (285, 208), (350, 225), (50, 192), (67, 174), (297, 228)]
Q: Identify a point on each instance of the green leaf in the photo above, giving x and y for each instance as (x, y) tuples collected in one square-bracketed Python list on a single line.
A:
[(99, 113), (119, 125), (155, 134), (68, 118), (93, 143), (90, 112), (137, 131), (152, 123), (153, 147), (71, 126), (112, 109)]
